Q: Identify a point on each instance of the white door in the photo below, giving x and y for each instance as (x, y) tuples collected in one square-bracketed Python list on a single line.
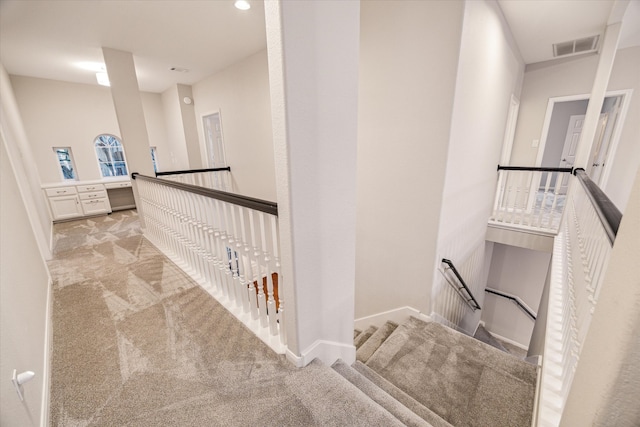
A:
[(602, 142), (568, 157), (570, 148), (212, 126)]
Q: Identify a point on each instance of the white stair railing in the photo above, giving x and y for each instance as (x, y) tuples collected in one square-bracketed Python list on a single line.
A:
[(213, 178), (530, 198), (227, 243), (580, 258)]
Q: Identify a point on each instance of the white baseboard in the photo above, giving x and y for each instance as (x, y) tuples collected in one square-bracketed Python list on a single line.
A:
[(398, 315), (46, 368), (328, 352), (507, 340)]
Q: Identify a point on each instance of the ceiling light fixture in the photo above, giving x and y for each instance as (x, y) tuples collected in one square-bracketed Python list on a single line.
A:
[(92, 66), (179, 69), (103, 79), (242, 5)]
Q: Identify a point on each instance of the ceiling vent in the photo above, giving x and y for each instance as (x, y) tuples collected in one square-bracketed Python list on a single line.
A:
[(573, 47)]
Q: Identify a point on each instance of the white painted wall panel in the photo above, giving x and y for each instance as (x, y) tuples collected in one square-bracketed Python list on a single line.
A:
[(490, 70), (241, 94)]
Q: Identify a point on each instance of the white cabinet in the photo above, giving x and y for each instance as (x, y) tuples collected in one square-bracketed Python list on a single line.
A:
[(94, 199), (74, 201), (65, 207)]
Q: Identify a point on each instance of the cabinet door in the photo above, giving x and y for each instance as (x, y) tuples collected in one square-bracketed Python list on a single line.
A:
[(64, 207), (96, 206)]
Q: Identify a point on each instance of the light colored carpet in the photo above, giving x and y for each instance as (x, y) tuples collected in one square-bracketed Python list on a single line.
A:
[(464, 381), (137, 343)]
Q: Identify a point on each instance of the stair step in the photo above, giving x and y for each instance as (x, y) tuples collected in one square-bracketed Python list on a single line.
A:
[(325, 388), (356, 332), (397, 409), (485, 336), (403, 398), (367, 349), (463, 380), (364, 336)]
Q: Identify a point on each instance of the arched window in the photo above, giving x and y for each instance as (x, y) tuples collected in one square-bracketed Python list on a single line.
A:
[(110, 155)]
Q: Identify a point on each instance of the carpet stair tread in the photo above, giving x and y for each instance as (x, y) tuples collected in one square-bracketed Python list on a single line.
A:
[(403, 398), (364, 336), (397, 409), (464, 381), (366, 350)]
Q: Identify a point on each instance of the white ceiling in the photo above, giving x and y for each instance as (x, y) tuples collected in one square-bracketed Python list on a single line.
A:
[(538, 24), (45, 39)]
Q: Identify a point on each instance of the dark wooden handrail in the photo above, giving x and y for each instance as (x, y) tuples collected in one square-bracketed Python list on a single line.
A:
[(247, 202), (609, 215), (471, 298), (188, 171), (516, 300), (534, 169)]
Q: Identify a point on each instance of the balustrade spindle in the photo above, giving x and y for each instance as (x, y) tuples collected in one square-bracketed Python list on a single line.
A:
[(218, 244), (258, 279)]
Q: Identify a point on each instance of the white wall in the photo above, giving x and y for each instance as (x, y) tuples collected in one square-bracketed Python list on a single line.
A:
[(13, 131), (408, 61), (520, 272), (65, 114), (575, 77), (176, 143), (241, 94), (541, 82), (24, 288), (490, 70), (626, 75)]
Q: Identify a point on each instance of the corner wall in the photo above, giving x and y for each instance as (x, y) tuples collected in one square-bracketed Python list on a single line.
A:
[(24, 314), (490, 70), (406, 91), (241, 94), (61, 114)]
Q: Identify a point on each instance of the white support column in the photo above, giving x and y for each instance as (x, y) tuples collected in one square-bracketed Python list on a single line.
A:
[(128, 106), (600, 83), (313, 50)]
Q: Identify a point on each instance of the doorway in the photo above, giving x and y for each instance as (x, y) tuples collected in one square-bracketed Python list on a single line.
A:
[(562, 128)]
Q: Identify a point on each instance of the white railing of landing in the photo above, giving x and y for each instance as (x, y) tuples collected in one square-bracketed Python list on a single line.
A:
[(580, 258), (227, 243), (529, 198), (213, 178)]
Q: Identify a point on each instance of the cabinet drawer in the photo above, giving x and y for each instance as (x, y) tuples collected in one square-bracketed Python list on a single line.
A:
[(93, 195), (60, 191), (112, 185), (91, 187), (96, 206)]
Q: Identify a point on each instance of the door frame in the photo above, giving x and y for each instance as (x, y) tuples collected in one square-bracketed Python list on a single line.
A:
[(615, 137)]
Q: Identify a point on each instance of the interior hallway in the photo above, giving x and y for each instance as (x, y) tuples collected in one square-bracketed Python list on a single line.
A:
[(138, 343)]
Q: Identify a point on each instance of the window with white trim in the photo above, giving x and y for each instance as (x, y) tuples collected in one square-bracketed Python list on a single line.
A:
[(110, 154), (154, 158), (65, 161)]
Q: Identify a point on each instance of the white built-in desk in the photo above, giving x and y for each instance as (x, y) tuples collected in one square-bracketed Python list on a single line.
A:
[(76, 199)]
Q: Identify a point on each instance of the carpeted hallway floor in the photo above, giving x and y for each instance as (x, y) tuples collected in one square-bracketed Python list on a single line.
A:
[(137, 343)]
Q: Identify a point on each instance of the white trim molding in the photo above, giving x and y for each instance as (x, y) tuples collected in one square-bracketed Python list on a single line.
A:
[(328, 352), (397, 315)]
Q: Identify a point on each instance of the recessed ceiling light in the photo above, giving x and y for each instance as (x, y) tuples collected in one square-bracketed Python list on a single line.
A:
[(92, 66), (242, 5), (179, 69), (103, 79)]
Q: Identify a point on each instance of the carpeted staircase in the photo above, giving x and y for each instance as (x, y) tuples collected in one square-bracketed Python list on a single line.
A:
[(424, 373)]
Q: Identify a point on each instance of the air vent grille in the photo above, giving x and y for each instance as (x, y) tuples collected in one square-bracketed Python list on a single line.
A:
[(588, 44)]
